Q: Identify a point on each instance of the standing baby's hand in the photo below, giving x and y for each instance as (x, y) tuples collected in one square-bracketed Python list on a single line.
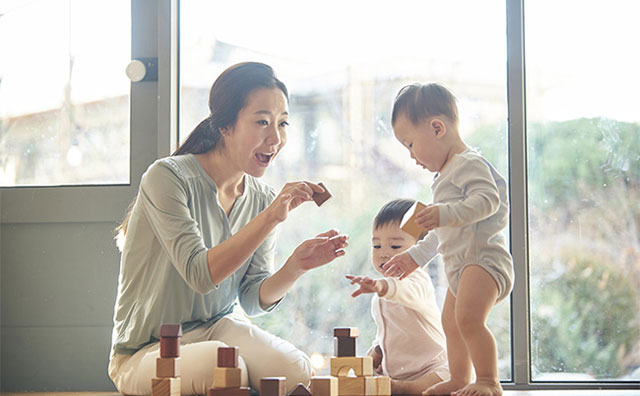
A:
[(367, 285), (400, 265), (429, 217), (376, 353)]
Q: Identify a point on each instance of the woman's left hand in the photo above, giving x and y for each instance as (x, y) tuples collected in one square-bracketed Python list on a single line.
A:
[(321, 250)]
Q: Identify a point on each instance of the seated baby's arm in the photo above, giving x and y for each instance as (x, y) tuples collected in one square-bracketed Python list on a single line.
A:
[(368, 285)]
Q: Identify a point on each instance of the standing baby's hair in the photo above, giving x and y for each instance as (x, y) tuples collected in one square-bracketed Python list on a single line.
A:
[(392, 212), (422, 101)]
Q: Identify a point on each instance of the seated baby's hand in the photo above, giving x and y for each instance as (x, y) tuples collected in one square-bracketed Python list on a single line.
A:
[(367, 285)]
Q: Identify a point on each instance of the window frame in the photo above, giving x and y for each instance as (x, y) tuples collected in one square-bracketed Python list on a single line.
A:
[(153, 117)]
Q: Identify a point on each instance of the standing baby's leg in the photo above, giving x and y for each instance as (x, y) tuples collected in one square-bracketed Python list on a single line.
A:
[(414, 387), (477, 294), (459, 360)]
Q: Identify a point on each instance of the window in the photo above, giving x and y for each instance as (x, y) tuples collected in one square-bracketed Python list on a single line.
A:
[(343, 63), (584, 188), (64, 96)]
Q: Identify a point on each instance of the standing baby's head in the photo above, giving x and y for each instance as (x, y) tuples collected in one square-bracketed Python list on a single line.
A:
[(425, 121), (388, 239)]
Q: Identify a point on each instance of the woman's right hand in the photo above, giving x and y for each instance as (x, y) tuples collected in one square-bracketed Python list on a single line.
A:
[(290, 197)]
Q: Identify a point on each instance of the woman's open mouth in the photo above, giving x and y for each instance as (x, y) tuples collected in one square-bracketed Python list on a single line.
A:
[(264, 158)]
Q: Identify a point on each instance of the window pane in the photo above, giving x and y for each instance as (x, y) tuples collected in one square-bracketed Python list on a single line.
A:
[(343, 69), (584, 188), (64, 96)]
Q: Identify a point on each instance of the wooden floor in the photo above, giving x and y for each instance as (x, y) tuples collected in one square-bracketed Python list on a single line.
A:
[(577, 392)]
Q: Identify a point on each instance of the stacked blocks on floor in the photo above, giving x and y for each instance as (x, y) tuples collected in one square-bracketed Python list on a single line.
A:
[(227, 376), (167, 379)]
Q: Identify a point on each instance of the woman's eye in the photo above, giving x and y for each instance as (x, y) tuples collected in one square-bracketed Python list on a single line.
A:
[(284, 123), (263, 122)]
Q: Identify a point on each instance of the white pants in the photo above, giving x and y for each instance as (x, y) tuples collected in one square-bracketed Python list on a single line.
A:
[(261, 355)]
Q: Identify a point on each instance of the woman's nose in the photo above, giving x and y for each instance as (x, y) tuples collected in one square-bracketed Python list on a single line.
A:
[(274, 138)]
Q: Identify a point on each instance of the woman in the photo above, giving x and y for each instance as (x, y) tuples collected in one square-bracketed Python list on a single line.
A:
[(200, 235)]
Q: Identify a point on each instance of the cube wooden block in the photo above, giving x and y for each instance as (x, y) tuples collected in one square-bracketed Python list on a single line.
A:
[(344, 346), (383, 386), (273, 386), (227, 356), (324, 386), (320, 198), (408, 223), (345, 332), (167, 367), (228, 392), (362, 366), (170, 347), (170, 330), (226, 377), (165, 387), (357, 386)]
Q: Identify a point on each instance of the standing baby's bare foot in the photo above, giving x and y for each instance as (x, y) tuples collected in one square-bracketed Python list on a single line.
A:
[(415, 387), (480, 388), (445, 387)]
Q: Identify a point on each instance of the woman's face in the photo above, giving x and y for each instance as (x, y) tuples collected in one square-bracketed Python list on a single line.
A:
[(260, 131)]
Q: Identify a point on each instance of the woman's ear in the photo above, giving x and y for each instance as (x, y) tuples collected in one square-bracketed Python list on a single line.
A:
[(439, 127), (225, 131)]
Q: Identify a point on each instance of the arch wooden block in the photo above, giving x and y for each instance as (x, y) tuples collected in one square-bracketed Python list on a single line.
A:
[(362, 366)]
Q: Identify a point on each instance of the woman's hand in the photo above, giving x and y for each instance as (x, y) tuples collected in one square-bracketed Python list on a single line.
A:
[(290, 197), (318, 251), (400, 265)]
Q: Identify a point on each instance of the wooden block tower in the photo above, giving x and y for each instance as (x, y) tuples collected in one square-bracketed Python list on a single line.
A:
[(227, 376), (167, 379), (364, 383)]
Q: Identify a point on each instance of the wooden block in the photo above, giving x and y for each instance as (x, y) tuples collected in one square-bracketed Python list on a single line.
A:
[(356, 386), (170, 330), (227, 356), (346, 332), (324, 386), (273, 386), (344, 346), (226, 377), (299, 390), (362, 366), (408, 224), (229, 392), (165, 387), (383, 386), (170, 347), (167, 367), (321, 198)]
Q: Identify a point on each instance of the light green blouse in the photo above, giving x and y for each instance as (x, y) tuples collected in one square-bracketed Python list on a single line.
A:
[(164, 276)]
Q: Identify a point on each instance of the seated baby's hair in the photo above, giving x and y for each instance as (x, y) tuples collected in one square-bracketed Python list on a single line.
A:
[(392, 213)]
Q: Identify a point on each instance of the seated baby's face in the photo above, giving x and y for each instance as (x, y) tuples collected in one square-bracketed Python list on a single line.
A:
[(389, 240)]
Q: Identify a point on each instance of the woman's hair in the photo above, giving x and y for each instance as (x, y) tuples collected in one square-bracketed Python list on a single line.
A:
[(422, 101), (227, 97), (393, 212)]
